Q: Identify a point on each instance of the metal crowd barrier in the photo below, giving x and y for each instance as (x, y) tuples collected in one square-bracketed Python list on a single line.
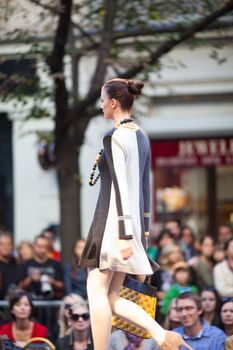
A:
[(45, 312)]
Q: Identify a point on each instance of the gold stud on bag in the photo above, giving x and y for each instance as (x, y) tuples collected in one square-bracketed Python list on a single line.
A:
[(144, 296)]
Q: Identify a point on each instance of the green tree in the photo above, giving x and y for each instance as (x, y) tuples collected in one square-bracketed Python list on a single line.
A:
[(113, 31)]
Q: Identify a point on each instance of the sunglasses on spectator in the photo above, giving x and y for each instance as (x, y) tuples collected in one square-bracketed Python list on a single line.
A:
[(67, 306), (76, 317)]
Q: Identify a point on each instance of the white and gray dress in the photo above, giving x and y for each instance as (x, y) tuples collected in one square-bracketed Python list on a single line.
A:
[(123, 207)]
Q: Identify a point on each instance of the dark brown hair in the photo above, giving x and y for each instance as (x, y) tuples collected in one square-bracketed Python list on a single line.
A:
[(124, 91), (16, 297), (192, 296)]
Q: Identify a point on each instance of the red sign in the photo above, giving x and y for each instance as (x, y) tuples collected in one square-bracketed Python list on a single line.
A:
[(192, 153)]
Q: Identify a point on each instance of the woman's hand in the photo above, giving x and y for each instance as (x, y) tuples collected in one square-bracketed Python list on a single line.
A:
[(173, 341), (125, 248)]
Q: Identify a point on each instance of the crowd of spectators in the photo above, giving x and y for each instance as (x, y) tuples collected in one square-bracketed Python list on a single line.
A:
[(194, 290)]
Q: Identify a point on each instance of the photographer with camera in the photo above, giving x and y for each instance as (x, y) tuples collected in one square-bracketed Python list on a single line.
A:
[(41, 276)]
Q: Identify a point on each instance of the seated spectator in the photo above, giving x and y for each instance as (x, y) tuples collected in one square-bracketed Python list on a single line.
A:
[(50, 234), (219, 253), (64, 313), (210, 306), (225, 232), (8, 265), (190, 242), (79, 337), (165, 238), (41, 276), (205, 264), (75, 278), (172, 319), (197, 333), (226, 314), (22, 328), (162, 279), (223, 272), (181, 278), (120, 340), (174, 227), (25, 252)]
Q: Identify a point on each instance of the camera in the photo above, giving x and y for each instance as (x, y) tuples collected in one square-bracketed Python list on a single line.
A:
[(46, 287)]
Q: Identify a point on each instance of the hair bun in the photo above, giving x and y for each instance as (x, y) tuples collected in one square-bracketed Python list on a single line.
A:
[(135, 87)]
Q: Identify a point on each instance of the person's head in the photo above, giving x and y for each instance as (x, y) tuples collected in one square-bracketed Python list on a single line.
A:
[(164, 238), (226, 312), (6, 245), (207, 247), (174, 226), (189, 309), (50, 234), (41, 247), (20, 305), (181, 273), (219, 253), (78, 247), (187, 235), (229, 249), (225, 232), (80, 317), (172, 319), (170, 255), (209, 300), (118, 95), (25, 251)]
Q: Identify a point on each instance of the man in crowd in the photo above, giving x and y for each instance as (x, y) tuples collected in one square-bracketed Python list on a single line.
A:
[(225, 232), (197, 333), (41, 276), (8, 265)]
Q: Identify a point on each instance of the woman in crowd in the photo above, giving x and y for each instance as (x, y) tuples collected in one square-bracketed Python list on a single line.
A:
[(64, 313), (205, 264), (79, 337), (226, 314), (191, 245), (75, 278), (24, 251), (210, 306), (22, 327), (116, 242)]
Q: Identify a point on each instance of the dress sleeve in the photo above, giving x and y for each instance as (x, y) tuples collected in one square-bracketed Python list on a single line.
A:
[(116, 158), (146, 194)]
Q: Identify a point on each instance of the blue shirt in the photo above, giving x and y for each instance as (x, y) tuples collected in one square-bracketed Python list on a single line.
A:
[(209, 338)]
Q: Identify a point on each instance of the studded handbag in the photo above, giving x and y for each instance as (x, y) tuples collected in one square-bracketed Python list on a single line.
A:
[(142, 294)]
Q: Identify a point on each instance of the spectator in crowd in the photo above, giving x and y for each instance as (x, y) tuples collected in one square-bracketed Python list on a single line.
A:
[(226, 314), (22, 327), (120, 340), (223, 272), (8, 265), (229, 343), (181, 278), (190, 242), (219, 253), (64, 313), (210, 306), (75, 278), (205, 264), (41, 277), (224, 233), (174, 227), (79, 337), (50, 234), (196, 332), (162, 279), (172, 319), (25, 251)]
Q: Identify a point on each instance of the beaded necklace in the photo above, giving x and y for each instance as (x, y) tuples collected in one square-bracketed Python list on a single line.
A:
[(92, 178)]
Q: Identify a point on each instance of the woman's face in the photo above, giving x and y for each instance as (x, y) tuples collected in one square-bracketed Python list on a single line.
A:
[(227, 313), (208, 301), (187, 236), (107, 104), (207, 247), (26, 252), (80, 318), (165, 240), (22, 309)]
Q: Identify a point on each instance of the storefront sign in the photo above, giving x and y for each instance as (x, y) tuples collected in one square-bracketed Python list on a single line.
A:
[(192, 153)]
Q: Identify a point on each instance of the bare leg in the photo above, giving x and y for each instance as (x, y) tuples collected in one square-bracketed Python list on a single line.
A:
[(98, 283), (135, 314)]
